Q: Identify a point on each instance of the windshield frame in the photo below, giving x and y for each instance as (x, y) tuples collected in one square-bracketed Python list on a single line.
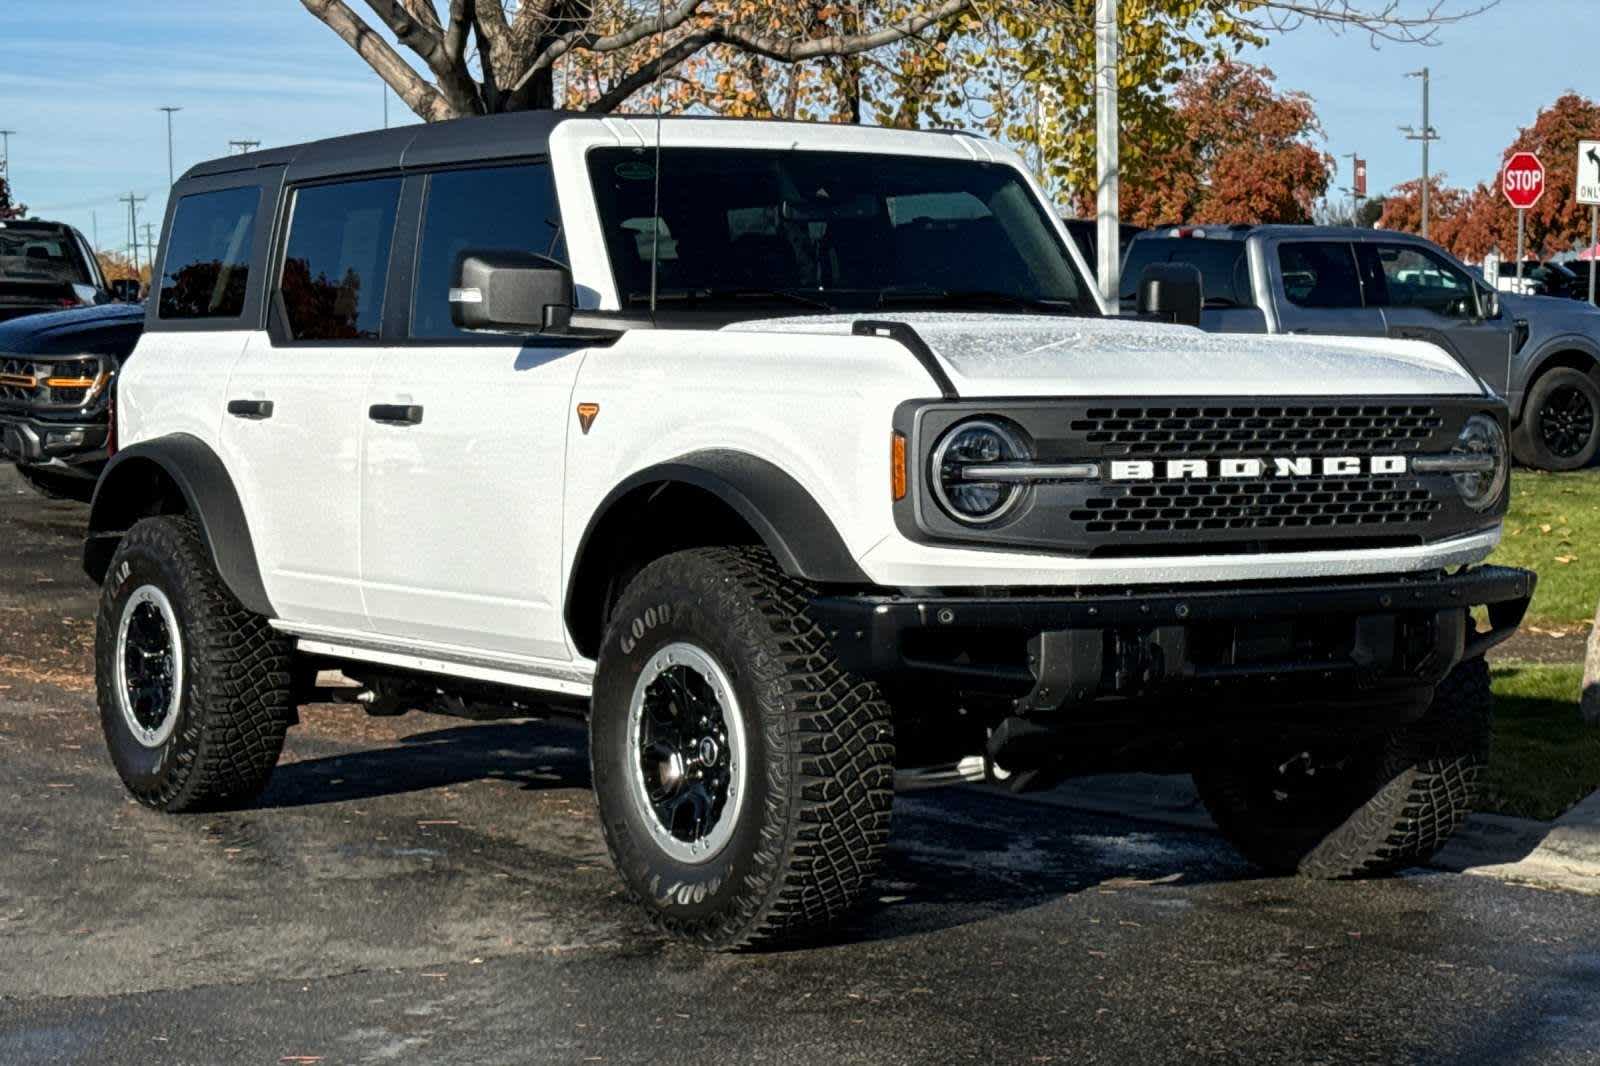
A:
[(746, 304)]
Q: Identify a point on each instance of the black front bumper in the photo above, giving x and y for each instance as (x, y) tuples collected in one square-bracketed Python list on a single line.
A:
[(1324, 643), (67, 445)]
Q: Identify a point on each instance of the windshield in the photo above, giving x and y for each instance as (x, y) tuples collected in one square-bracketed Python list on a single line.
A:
[(41, 255), (741, 229)]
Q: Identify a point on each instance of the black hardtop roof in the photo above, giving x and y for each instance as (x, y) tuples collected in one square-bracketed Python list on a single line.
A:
[(517, 134), (37, 225)]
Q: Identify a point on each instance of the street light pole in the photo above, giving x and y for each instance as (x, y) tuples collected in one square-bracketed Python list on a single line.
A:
[(171, 178), (1107, 156), (1427, 135), (5, 153)]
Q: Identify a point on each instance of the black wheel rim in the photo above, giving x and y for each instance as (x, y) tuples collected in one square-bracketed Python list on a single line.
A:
[(686, 743), (149, 666), (1567, 421)]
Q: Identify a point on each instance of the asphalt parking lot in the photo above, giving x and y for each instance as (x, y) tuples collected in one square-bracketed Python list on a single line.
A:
[(426, 890)]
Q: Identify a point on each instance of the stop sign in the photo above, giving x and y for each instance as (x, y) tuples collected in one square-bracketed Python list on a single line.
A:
[(1523, 180)]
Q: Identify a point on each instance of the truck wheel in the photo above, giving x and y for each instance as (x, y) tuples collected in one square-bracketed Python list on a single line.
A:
[(1366, 810), (1560, 427), (744, 780), (57, 486), (194, 690)]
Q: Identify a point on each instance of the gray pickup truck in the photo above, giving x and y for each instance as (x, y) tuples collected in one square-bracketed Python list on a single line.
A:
[(1541, 353)]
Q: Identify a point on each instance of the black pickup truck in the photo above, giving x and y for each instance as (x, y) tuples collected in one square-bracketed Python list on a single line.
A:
[(46, 266), (56, 375)]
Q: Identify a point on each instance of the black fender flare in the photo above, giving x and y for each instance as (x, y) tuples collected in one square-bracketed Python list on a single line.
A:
[(122, 497), (1551, 350), (785, 517)]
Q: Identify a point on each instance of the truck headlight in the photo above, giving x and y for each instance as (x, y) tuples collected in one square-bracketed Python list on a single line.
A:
[(972, 444), (1483, 438)]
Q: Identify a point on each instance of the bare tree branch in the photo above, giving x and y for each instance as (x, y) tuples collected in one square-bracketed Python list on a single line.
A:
[(1383, 20), (589, 41), (410, 86)]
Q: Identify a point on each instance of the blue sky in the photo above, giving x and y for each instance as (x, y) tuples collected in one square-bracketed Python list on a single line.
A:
[(82, 81)]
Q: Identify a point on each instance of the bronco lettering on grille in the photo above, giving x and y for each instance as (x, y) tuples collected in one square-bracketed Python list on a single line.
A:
[(1300, 466)]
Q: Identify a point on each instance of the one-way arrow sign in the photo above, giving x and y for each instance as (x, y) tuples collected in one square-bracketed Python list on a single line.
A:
[(1589, 172)]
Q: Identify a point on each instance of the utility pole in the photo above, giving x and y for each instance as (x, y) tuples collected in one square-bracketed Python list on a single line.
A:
[(94, 228), (1107, 157), (133, 203), (150, 247), (1427, 135), (5, 154), (244, 146), (171, 178)]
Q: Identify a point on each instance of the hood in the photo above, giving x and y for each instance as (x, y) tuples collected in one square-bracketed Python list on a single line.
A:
[(111, 328), (1039, 355), (1570, 314)]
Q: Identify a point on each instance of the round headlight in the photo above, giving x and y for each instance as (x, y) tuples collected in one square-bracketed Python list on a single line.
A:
[(971, 444), (1482, 436)]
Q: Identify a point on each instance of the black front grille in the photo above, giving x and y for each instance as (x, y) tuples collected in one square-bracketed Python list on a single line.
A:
[(1251, 506), (12, 393), (1281, 430)]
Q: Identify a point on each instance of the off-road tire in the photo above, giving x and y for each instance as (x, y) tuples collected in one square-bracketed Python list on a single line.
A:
[(235, 702), (1527, 441), (57, 486), (820, 761), (1391, 804)]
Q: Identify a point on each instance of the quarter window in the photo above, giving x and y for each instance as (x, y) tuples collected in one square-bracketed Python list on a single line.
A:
[(1319, 274), (337, 259), (493, 209), (207, 262)]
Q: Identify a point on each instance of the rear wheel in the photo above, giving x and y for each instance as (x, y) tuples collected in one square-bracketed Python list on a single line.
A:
[(1560, 427), (194, 689), (1359, 810), (744, 780)]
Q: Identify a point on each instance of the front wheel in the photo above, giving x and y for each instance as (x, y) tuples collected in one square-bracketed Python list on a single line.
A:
[(1364, 809), (1560, 427), (194, 689), (744, 780)]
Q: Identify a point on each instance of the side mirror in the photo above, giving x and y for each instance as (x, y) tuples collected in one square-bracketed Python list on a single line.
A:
[(511, 292), (1489, 300), (1172, 292)]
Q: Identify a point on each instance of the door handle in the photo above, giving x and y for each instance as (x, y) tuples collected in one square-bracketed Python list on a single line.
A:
[(250, 408), (400, 414)]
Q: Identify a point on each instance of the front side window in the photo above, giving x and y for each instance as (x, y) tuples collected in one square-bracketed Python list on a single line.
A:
[(494, 209), (1414, 277), (206, 267), (337, 259), (1319, 274), (742, 228)]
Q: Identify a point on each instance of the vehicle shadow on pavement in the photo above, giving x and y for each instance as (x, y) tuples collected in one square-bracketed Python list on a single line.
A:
[(530, 754)]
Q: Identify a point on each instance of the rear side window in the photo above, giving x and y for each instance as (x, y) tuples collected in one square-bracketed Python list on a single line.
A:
[(1319, 274), (207, 263), (493, 209), (337, 259), (1224, 270)]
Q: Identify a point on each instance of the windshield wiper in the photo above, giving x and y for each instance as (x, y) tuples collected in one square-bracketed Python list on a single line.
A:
[(711, 295), (934, 297)]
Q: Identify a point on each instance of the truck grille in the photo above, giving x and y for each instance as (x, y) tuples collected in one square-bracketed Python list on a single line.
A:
[(1251, 506), (1176, 432), (16, 380)]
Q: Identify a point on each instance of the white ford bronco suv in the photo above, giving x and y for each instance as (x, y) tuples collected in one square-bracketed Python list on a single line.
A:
[(788, 455)]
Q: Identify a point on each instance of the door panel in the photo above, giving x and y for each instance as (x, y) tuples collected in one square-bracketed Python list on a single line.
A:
[(298, 473), (1424, 297), (461, 511)]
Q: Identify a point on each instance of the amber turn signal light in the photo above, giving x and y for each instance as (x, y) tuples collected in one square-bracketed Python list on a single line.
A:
[(897, 466)]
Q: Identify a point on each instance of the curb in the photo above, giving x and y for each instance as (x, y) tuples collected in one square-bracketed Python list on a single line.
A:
[(1563, 854)]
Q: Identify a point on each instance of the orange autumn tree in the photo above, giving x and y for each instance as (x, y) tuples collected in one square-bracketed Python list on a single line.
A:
[(1245, 153), (1472, 223)]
